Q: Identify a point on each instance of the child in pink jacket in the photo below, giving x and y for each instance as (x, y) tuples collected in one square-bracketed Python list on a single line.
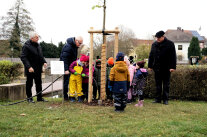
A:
[(132, 70)]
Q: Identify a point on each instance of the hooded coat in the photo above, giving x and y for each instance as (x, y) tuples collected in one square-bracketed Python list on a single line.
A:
[(69, 53), (32, 56), (120, 77)]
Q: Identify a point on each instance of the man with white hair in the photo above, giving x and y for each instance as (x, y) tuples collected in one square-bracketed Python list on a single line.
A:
[(33, 61), (68, 55)]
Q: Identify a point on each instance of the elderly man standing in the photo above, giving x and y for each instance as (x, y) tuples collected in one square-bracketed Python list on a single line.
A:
[(68, 55), (162, 60), (33, 61)]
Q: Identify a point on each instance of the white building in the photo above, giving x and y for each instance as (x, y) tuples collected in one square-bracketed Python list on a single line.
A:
[(181, 39)]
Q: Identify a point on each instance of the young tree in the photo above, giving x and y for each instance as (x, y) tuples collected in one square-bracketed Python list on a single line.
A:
[(194, 48), (14, 40), (16, 16)]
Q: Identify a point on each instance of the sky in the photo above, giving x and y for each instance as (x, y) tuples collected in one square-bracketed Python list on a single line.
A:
[(57, 20)]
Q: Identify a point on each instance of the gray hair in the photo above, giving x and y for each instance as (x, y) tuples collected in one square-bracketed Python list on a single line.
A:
[(79, 38), (32, 34)]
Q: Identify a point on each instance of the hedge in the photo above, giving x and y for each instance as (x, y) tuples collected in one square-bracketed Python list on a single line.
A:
[(187, 83), (9, 71)]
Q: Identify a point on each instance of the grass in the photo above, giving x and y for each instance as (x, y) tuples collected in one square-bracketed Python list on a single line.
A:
[(179, 118)]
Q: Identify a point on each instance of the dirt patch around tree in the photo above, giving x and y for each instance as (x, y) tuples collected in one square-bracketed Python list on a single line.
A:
[(100, 103)]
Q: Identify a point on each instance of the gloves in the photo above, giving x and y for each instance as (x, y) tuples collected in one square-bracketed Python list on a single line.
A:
[(83, 75), (75, 73)]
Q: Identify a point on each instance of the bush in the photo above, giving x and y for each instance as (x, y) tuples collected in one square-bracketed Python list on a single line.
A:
[(187, 83), (9, 71)]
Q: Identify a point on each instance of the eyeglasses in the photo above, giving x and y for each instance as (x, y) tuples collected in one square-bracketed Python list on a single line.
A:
[(79, 42)]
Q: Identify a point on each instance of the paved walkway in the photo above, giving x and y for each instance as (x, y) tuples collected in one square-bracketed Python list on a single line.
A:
[(58, 85)]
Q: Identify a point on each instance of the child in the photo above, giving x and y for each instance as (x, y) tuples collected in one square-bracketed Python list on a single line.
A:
[(139, 82), (132, 70), (110, 64), (86, 79), (120, 80), (75, 85), (97, 78)]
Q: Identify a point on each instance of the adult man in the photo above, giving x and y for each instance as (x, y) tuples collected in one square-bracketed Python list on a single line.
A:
[(162, 60), (33, 61), (68, 55)]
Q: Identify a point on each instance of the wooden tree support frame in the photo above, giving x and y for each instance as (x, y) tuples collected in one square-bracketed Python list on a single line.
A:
[(103, 61)]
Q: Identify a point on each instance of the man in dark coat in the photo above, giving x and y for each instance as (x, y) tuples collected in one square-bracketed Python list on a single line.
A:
[(33, 61), (162, 60), (68, 55)]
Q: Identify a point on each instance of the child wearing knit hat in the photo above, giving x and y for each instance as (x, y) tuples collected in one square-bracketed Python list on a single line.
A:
[(120, 80), (75, 85), (110, 64)]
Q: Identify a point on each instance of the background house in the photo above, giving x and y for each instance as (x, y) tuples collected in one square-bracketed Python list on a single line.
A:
[(182, 39)]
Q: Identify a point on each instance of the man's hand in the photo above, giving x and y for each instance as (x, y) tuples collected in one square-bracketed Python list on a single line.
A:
[(172, 70), (67, 72), (45, 65), (31, 70)]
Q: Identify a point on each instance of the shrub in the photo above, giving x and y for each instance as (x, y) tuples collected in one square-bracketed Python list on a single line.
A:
[(9, 71), (187, 83)]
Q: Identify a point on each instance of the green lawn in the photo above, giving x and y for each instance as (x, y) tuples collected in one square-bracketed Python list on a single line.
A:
[(179, 118)]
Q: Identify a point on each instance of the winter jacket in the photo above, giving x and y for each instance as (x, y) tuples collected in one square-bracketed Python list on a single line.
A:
[(132, 69), (162, 56), (141, 73), (69, 52), (32, 56), (72, 65), (120, 77)]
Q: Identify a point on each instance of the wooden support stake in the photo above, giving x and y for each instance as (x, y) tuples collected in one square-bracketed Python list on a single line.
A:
[(103, 72), (116, 44), (90, 90)]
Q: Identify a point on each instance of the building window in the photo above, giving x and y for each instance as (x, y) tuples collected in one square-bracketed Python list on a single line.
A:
[(180, 47)]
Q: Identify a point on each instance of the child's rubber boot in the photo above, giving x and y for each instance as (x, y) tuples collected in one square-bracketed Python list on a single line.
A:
[(72, 99), (80, 99), (141, 103), (136, 105)]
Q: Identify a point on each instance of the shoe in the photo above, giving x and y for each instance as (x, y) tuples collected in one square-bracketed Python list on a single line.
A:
[(141, 103), (165, 102), (80, 99), (136, 105), (41, 100), (118, 110), (129, 101), (66, 99), (30, 100), (72, 99)]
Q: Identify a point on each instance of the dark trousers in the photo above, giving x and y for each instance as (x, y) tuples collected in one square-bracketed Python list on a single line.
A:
[(120, 100), (108, 91), (95, 88), (65, 86), (162, 79), (85, 90), (37, 77)]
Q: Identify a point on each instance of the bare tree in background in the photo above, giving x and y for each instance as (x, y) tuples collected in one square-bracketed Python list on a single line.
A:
[(20, 16), (126, 41)]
